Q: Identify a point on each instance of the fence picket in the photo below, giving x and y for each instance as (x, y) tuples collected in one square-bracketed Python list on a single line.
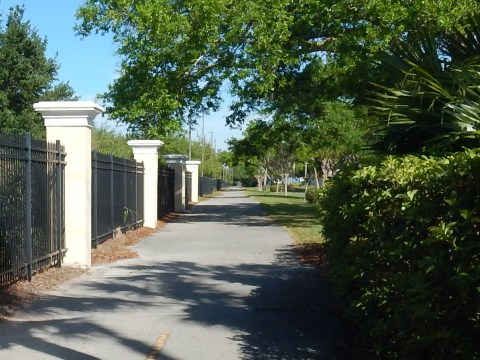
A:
[(166, 190), (117, 195), (28, 207), (31, 206)]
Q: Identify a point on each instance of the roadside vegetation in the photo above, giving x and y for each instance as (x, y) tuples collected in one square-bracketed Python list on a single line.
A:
[(403, 254)]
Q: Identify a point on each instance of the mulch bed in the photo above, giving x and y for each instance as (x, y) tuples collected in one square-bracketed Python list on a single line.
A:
[(17, 295), (312, 254)]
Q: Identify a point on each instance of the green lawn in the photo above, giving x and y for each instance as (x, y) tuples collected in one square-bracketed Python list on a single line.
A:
[(293, 213)]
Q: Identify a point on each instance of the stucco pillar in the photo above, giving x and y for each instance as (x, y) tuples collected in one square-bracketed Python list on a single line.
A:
[(146, 151), (192, 166), (177, 162), (71, 123)]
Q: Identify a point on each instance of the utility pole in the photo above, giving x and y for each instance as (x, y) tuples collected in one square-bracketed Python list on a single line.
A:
[(203, 143), (190, 139), (211, 138)]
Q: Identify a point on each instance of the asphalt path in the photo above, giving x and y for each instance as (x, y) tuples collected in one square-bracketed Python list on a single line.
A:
[(219, 282)]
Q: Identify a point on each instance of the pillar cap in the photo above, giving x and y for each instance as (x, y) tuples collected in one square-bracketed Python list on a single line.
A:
[(175, 158), (145, 146), (68, 113), (193, 162)]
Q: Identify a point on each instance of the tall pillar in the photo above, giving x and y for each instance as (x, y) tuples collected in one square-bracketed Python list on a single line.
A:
[(147, 151), (71, 123), (177, 162), (192, 166)]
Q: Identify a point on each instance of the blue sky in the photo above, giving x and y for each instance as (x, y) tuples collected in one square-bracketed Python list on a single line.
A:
[(89, 64)]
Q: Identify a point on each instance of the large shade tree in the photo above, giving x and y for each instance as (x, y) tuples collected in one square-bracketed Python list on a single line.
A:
[(278, 55), (27, 75)]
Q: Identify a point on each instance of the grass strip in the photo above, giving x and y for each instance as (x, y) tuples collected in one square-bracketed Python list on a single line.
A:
[(293, 213)]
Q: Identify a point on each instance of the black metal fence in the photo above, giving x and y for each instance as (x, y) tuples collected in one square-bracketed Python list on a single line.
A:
[(222, 184), (117, 195), (166, 190), (207, 185), (32, 232), (188, 187)]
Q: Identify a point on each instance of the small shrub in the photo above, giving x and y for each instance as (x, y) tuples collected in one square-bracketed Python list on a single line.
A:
[(312, 195), (403, 242)]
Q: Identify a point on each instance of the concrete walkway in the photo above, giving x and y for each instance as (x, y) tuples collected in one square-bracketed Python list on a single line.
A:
[(220, 282)]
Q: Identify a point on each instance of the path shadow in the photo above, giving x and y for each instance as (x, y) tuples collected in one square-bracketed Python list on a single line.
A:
[(287, 313), (280, 310)]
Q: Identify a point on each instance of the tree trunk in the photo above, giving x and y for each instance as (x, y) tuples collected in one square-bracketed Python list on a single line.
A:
[(286, 184), (259, 182), (317, 184), (329, 167)]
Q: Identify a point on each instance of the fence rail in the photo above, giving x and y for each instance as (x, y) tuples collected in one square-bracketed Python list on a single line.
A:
[(166, 190), (32, 193), (117, 195)]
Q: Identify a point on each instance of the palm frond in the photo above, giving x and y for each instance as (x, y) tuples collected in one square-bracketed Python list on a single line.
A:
[(432, 105)]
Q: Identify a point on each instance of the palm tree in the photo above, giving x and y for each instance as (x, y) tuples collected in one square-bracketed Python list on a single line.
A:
[(434, 106)]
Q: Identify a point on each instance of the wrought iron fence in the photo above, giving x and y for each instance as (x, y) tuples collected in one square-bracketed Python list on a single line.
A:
[(166, 190), (223, 184), (32, 193), (207, 185), (117, 195), (188, 187)]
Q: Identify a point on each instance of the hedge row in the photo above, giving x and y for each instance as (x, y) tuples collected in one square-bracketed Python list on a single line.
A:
[(403, 240)]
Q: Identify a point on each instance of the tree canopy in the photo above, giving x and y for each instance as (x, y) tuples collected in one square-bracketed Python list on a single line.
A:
[(277, 54), (272, 146), (27, 75), (106, 140)]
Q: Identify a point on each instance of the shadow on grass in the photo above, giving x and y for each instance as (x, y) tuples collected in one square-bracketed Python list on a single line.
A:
[(280, 195), (290, 216), (288, 211)]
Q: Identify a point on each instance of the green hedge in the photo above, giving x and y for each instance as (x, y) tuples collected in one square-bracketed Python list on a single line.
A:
[(281, 188), (273, 187), (403, 242)]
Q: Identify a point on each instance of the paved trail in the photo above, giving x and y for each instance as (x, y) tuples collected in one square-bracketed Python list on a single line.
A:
[(218, 283)]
